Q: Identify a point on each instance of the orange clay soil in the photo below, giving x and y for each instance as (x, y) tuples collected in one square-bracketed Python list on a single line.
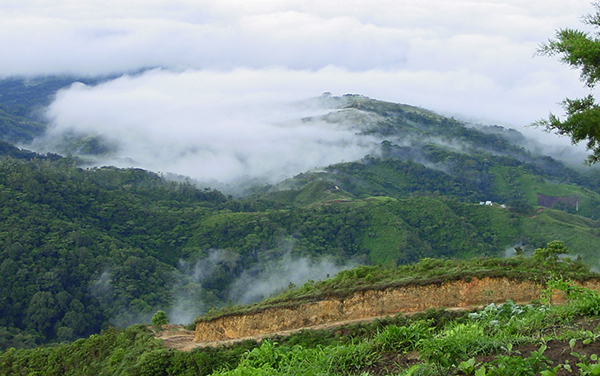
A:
[(361, 306)]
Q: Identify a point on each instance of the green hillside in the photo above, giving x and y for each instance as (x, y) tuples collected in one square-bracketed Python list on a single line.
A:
[(79, 247), (83, 248), (533, 339), (86, 248), (425, 272)]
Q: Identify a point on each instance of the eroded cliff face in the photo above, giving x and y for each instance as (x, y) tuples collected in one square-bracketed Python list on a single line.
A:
[(371, 304)]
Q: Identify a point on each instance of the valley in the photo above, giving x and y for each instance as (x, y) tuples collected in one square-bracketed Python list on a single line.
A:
[(87, 248)]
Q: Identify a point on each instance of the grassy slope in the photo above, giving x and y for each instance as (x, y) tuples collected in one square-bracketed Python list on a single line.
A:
[(529, 185), (402, 231), (505, 339), (425, 272), (386, 235)]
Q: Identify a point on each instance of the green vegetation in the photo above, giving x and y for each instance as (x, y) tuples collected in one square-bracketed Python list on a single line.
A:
[(499, 339), (579, 50), (132, 351), (82, 249), (544, 265), (79, 247), (160, 318)]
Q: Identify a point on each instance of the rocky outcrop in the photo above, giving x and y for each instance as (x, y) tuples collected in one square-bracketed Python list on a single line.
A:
[(371, 304)]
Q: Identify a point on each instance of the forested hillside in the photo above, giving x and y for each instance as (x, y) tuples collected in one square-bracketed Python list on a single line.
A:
[(498, 339), (84, 247)]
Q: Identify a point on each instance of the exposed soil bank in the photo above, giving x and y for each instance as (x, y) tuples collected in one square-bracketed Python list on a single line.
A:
[(371, 304)]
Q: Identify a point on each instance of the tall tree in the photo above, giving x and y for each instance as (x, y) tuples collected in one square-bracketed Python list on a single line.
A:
[(580, 50)]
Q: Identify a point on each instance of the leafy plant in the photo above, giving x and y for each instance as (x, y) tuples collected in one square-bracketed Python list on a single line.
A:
[(533, 365), (458, 342), (587, 365), (468, 367), (584, 301), (404, 338), (351, 358), (160, 318)]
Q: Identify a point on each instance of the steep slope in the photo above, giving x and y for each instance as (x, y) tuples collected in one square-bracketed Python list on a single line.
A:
[(81, 247), (370, 305)]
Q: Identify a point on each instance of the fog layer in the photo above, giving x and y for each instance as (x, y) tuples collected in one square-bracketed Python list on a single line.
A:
[(463, 57), (232, 126), (207, 126)]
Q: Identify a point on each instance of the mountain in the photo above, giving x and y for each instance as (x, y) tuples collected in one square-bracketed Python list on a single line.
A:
[(83, 248), (424, 153)]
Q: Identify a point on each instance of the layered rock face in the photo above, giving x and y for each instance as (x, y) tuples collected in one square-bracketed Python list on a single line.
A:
[(371, 304)]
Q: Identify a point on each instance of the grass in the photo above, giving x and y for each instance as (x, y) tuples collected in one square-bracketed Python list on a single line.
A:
[(507, 179), (574, 233), (427, 271), (507, 339)]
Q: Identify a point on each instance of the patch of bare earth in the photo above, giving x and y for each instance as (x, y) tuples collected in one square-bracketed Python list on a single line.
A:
[(175, 337)]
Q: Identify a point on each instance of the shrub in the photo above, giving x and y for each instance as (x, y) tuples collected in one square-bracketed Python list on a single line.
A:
[(582, 301), (160, 318)]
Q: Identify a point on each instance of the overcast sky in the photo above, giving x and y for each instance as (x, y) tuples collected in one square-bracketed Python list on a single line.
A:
[(473, 59)]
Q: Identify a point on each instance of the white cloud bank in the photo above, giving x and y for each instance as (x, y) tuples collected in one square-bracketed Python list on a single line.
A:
[(230, 66), (92, 36), (208, 125)]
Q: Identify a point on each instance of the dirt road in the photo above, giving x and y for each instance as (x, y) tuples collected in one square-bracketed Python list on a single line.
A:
[(177, 337)]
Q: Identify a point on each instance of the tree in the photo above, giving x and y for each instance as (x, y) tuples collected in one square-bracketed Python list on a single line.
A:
[(551, 253), (160, 318), (580, 50), (41, 312)]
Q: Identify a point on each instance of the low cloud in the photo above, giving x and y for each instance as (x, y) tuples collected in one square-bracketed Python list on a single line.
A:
[(245, 124), (252, 285), (454, 57), (189, 297), (276, 276), (209, 126)]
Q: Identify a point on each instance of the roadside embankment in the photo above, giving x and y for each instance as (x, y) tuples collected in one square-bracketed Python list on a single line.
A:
[(367, 304)]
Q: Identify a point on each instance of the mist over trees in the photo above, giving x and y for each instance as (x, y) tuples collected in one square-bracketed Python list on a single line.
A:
[(263, 193), (86, 247)]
